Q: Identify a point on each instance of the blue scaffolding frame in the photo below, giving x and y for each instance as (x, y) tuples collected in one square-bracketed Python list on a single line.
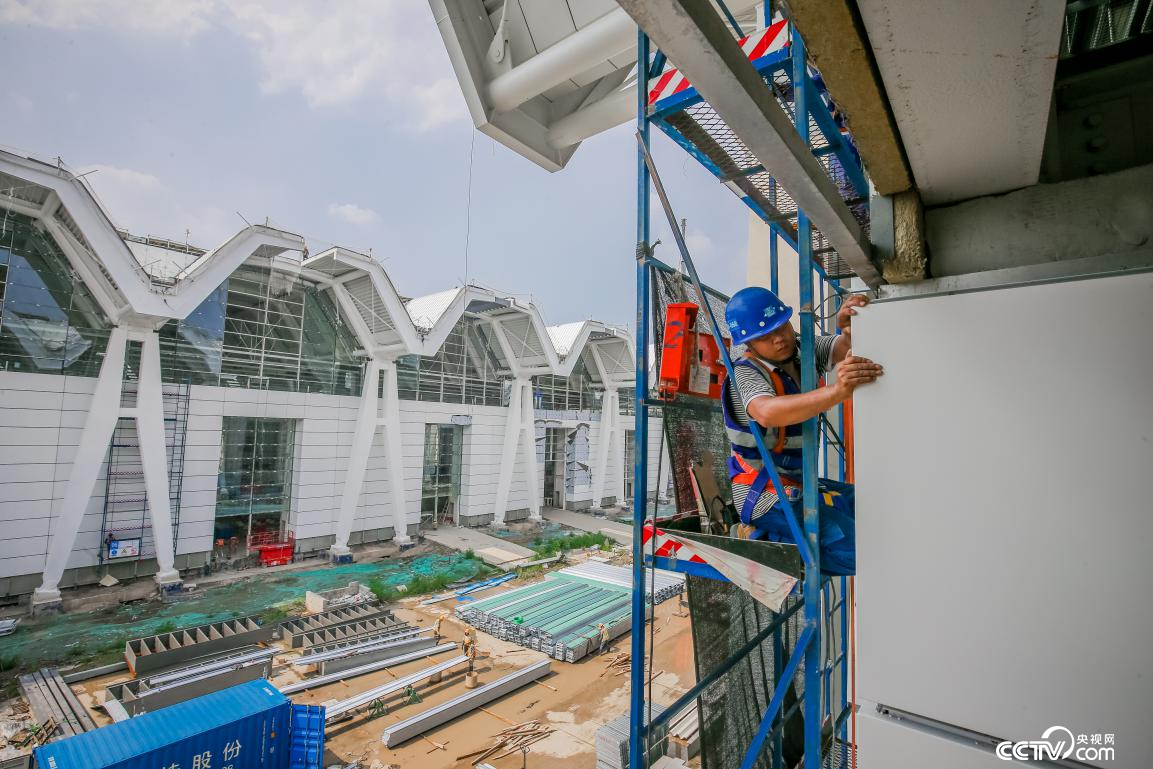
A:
[(824, 604)]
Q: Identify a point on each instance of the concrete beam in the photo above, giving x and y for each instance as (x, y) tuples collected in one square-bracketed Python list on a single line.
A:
[(701, 45), (838, 46), (1107, 215)]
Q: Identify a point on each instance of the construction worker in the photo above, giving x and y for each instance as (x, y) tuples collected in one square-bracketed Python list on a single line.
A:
[(603, 632), (436, 627), (470, 652), (767, 389)]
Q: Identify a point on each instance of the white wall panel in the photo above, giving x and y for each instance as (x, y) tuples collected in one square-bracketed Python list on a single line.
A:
[(1004, 516)]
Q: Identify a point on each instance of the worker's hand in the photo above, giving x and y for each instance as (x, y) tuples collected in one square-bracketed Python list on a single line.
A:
[(854, 371), (848, 310)]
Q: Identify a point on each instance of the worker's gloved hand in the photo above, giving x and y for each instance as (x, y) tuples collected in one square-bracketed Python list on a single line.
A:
[(854, 371)]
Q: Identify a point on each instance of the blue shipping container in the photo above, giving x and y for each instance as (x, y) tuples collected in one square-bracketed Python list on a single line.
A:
[(242, 727)]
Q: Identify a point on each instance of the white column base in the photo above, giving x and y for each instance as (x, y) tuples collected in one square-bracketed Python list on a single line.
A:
[(402, 540), (46, 601), (166, 579), (340, 554)]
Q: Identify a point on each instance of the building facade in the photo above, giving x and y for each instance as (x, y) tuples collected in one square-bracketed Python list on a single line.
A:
[(162, 406)]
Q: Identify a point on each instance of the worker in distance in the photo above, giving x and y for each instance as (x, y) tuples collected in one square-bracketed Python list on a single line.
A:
[(767, 390)]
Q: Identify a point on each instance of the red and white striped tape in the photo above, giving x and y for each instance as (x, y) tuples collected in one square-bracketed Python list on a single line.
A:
[(755, 46), (767, 585)]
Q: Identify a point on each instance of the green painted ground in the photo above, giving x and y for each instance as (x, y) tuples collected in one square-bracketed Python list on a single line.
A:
[(101, 635)]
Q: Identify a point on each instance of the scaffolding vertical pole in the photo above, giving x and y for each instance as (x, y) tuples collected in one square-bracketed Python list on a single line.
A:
[(812, 589), (637, 729)]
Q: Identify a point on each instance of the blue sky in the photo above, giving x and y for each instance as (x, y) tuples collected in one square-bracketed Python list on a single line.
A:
[(341, 121)]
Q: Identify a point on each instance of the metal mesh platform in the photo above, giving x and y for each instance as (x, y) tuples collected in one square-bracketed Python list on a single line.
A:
[(710, 138)]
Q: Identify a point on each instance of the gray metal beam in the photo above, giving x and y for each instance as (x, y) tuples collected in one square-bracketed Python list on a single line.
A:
[(447, 711), (362, 699), (312, 683), (700, 44)]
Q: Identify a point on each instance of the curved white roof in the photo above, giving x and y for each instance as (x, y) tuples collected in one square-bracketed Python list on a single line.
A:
[(149, 281)]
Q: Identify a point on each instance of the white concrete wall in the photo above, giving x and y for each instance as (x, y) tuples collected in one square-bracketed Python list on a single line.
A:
[(41, 417)]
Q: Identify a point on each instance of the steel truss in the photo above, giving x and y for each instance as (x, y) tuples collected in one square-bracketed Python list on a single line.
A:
[(821, 651)]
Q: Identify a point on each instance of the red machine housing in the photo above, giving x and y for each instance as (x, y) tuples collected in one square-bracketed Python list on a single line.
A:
[(690, 361)]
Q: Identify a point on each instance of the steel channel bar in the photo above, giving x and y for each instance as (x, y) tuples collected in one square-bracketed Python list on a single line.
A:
[(153, 682), (312, 683), (346, 643), (358, 700), (349, 651), (587, 615), (447, 711), (542, 598)]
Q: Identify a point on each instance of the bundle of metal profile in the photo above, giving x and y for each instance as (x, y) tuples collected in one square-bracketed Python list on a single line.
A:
[(391, 631), (144, 695), (337, 633), (181, 646), (292, 629), (613, 741), (466, 703), (517, 597), (666, 583), (362, 654), (312, 683), (362, 699), (558, 616), (586, 639)]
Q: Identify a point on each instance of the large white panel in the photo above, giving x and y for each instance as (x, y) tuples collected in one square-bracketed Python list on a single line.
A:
[(1003, 506)]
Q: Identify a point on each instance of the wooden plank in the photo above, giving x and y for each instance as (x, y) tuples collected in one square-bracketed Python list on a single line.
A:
[(36, 702), (83, 718), (67, 725), (58, 712), (43, 705)]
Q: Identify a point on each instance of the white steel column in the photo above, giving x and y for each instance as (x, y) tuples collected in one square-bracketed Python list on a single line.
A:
[(149, 415), (375, 413), (393, 453), (366, 423), (606, 440), (98, 426), (519, 433), (528, 448)]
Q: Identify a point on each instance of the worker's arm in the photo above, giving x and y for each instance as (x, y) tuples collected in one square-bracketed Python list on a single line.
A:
[(783, 410), (844, 341)]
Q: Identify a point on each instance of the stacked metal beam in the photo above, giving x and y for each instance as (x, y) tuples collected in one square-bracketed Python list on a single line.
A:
[(667, 583), (613, 742), (167, 650), (561, 615), (293, 631)]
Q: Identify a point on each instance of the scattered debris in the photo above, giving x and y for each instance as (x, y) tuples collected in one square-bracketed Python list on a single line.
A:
[(508, 741)]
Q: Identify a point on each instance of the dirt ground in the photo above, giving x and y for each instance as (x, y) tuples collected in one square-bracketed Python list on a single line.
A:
[(574, 699)]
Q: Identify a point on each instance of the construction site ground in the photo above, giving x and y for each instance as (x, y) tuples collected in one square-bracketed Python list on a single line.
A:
[(574, 700)]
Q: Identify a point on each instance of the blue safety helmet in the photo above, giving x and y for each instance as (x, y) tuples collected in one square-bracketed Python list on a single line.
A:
[(754, 312)]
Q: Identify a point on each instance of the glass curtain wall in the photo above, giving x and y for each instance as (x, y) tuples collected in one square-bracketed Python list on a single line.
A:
[(440, 483), (254, 487), (464, 370), (264, 329), (572, 393), (49, 321)]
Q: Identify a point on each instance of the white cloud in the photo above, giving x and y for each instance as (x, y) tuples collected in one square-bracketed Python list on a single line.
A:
[(183, 18), (122, 177), (331, 53), (353, 214), (141, 203)]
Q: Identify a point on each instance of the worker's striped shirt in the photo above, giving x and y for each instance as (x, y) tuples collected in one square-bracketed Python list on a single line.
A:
[(755, 383)]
